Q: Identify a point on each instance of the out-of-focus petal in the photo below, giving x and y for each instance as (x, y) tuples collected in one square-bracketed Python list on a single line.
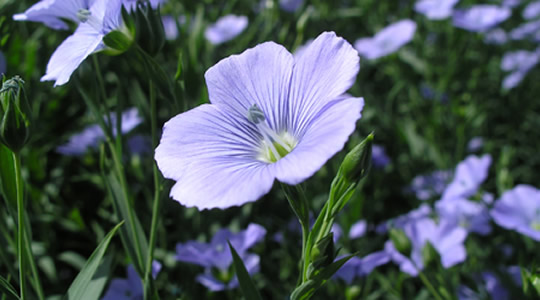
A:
[(469, 174), (225, 29), (358, 229), (480, 18), (532, 10), (51, 12), (387, 41), (435, 9)]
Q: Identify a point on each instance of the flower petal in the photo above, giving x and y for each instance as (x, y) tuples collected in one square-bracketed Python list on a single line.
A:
[(71, 53), (324, 137), (326, 69), (260, 75), (212, 155), (51, 12), (226, 29)]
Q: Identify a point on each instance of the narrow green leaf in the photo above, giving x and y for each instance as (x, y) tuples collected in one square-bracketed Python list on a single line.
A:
[(136, 251), (246, 284), (7, 290), (89, 284)]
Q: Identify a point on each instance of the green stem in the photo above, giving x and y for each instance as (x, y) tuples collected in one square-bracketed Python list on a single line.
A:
[(306, 253), (156, 204), (130, 214), (429, 286), (20, 219)]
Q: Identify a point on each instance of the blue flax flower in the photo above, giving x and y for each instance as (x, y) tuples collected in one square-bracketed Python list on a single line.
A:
[(102, 17), (216, 256), (519, 209), (91, 136), (480, 18), (531, 11), (518, 63), (496, 36), (529, 30), (435, 9), (473, 216), (290, 5), (225, 29), (359, 267), (386, 41), (468, 176), (130, 288), (447, 239), (430, 185), (272, 116), (358, 229)]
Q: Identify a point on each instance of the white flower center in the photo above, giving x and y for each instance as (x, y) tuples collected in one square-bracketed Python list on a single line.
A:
[(274, 146), (85, 16)]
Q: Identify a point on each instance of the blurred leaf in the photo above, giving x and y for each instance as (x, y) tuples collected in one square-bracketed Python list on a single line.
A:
[(7, 290), (90, 282), (246, 284)]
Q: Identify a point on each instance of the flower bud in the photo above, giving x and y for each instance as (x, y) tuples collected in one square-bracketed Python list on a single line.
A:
[(358, 161), (430, 256), (14, 115), (401, 242), (149, 31), (322, 254)]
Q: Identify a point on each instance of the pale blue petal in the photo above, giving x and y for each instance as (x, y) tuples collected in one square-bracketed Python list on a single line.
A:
[(71, 53), (387, 41), (260, 75), (435, 9), (325, 135), (480, 18), (225, 29), (532, 10), (326, 69), (358, 229), (373, 260), (51, 12), (212, 155), (119, 289), (469, 174)]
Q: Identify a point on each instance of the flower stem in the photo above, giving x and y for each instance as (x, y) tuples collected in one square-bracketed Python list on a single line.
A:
[(156, 204), (429, 286), (20, 221), (306, 255)]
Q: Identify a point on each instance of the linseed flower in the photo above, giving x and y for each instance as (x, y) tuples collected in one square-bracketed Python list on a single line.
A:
[(130, 288), (52, 13), (101, 18), (272, 116), (386, 41), (225, 29), (519, 209), (435, 9), (480, 18)]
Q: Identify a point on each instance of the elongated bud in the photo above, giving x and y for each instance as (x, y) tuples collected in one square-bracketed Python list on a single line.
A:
[(14, 115), (430, 256), (401, 241), (358, 161)]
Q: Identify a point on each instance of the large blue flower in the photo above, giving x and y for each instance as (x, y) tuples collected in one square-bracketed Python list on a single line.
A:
[(272, 116), (53, 12)]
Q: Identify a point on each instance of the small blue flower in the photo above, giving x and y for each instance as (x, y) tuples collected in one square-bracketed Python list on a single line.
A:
[(359, 267), (526, 30), (447, 239), (170, 25), (102, 17), (130, 288), (473, 216), (272, 116), (430, 185), (386, 41), (217, 255), (518, 63), (496, 36), (475, 144), (358, 230), (290, 5), (469, 174), (91, 136), (531, 11), (225, 29), (519, 209), (435, 9), (480, 18)]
